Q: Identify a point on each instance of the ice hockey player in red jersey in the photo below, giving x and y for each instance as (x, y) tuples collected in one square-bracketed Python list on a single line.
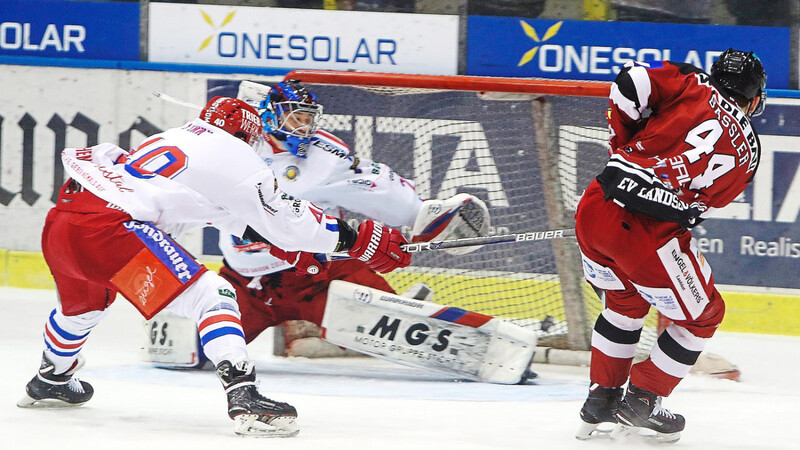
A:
[(110, 232), (695, 152)]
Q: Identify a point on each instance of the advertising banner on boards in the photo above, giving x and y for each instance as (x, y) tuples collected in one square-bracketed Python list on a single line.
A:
[(69, 29), (586, 50), (303, 38)]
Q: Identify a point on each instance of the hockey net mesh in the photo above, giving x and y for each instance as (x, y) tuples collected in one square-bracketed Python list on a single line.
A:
[(528, 155)]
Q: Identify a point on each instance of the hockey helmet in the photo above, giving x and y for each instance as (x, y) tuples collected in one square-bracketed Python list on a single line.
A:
[(291, 114), (742, 73), (234, 116)]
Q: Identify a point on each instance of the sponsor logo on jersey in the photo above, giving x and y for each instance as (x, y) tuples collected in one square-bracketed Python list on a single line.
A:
[(362, 183), (291, 173), (180, 263), (684, 277), (339, 152), (144, 284), (269, 209), (297, 207)]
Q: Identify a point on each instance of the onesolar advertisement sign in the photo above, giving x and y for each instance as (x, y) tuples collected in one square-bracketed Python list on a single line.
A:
[(585, 50), (68, 29), (303, 39)]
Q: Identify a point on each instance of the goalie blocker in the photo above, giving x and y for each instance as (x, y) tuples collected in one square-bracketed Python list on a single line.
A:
[(388, 326)]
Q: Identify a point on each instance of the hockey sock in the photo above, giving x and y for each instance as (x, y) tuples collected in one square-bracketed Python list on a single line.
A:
[(614, 342), (64, 337), (221, 335)]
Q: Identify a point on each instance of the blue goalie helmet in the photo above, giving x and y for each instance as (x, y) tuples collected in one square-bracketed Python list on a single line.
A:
[(291, 114)]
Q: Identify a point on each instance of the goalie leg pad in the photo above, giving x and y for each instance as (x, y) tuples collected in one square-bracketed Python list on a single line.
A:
[(171, 341), (427, 335)]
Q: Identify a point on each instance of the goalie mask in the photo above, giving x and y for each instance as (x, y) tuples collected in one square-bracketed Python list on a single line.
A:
[(234, 116), (291, 114), (741, 73)]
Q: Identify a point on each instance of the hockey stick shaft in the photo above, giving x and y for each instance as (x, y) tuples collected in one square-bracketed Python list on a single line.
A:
[(530, 236), (486, 240), (176, 101)]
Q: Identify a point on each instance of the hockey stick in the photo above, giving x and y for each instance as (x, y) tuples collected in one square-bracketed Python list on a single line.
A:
[(530, 236), (176, 101)]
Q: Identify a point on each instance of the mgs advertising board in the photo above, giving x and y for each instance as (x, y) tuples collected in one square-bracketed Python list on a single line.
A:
[(69, 29), (303, 38), (585, 50)]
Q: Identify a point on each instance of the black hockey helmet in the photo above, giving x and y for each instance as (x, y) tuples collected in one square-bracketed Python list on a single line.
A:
[(742, 73)]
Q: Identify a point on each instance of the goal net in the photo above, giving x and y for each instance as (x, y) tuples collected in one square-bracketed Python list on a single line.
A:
[(526, 147)]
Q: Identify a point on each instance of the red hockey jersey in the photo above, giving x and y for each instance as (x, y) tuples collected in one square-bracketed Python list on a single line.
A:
[(696, 146)]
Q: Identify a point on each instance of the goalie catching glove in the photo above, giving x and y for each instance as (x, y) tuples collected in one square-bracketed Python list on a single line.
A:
[(379, 247)]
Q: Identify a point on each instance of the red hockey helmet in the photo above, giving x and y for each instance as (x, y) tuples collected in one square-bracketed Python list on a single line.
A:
[(234, 116)]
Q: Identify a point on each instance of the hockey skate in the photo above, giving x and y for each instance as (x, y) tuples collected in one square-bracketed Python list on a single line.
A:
[(50, 390), (641, 409), (600, 407), (254, 414), (460, 216)]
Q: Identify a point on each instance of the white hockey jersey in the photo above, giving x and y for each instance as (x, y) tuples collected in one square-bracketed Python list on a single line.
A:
[(199, 174), (330, 177)]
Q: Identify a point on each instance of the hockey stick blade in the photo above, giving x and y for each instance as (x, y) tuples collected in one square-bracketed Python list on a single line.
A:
[(530, 236), (177, 101)]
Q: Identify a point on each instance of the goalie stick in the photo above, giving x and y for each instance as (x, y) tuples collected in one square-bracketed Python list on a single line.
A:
[(529, 236)]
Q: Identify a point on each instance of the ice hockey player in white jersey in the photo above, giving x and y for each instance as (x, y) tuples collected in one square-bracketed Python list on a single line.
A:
[(313, 164), (110, 232)]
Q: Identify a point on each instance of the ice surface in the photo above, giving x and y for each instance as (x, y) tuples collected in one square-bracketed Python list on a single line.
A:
[(362, 403)]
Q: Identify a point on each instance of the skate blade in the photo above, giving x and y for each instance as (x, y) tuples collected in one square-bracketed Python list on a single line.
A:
[(248, 425), (47, 403), (593, 431), (626, 432)]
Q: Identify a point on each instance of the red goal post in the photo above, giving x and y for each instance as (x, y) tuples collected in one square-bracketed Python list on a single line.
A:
[(528, 147)]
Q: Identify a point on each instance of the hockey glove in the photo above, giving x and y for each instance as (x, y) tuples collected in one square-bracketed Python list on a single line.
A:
[(693, 215), (379, 247), (303, 262)]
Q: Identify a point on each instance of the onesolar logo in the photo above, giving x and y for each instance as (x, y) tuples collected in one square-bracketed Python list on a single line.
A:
[(210, 21), (531, 33)]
